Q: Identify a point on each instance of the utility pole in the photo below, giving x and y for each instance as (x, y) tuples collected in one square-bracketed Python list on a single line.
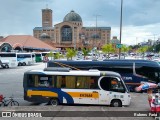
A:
[(121, 27), (96, 28)]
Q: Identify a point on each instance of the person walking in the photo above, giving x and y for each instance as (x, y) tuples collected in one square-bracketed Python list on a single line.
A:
[(149, 92)]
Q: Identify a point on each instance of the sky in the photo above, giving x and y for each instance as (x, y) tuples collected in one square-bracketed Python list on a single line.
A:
[(140, 20)]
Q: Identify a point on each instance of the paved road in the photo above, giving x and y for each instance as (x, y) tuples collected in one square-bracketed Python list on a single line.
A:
[(11, 82)]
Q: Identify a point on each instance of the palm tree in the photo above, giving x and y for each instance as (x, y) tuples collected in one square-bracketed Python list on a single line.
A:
[(58, 55), (70, 53), (108, 48), (143, 50), (124, 49), (85, 52), (50, 54)]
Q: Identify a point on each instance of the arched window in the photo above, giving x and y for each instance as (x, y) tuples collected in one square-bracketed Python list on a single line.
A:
[(66, 33), (18, 48), (5, 47)]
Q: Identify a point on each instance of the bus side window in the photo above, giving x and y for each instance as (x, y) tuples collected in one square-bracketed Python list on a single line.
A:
[(31, 81), (61, 82), (116, 85), (111, 84), (93, 83), (83, 82), (52, 81), (70, 82), (43, 81), (105, 83)]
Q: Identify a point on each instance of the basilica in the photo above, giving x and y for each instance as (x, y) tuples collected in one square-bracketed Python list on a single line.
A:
[(70, 33)]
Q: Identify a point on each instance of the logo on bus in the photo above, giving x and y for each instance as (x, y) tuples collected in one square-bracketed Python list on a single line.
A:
[(127, 78)]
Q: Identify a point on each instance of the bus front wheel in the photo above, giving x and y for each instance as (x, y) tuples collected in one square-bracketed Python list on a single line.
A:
[(6, 66), (116, 103), (54, 102), (19, 64)]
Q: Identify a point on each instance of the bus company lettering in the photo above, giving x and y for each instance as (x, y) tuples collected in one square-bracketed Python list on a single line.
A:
[(85, 95), (127, 78)]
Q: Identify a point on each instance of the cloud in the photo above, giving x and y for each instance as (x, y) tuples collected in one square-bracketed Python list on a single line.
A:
[(21, 16), (137, 34)]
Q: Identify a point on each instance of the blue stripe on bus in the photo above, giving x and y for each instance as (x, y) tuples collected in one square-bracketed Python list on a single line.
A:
[(20, 59), (60, 93)]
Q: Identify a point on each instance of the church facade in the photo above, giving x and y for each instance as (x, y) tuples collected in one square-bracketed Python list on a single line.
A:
[(70, 33)]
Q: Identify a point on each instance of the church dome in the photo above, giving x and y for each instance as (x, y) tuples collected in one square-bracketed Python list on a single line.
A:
[(72, 16)]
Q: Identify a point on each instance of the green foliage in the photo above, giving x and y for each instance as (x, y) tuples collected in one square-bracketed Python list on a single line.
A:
[(85, 52), (157, 48), (70, 53), (125, 48), (58, 56), (142, 50), (54, 55), (107, 48), (50, 54)]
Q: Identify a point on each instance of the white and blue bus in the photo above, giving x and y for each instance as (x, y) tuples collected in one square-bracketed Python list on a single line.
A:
[(63, 85), (9, 58), (133, 72), (25, 59)]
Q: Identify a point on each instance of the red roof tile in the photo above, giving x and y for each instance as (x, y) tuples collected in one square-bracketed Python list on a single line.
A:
[(26, 41)]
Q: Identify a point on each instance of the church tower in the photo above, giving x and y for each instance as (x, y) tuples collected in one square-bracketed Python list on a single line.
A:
[(46, 17)]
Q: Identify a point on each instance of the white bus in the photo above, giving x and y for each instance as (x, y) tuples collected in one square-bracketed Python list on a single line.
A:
[(62, 85), (24, 59), (10, 57)]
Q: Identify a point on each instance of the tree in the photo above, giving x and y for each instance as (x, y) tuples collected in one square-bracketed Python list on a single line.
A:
[(124, 49), (142, 50), (85, 52), (70, 53), (108, 48), (58, 55), (50, 54)]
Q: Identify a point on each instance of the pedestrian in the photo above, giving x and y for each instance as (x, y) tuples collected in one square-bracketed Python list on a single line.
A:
[(156, 101), (149, 92)]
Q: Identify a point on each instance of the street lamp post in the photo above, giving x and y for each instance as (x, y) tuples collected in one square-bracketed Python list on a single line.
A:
[(121, 28), (96, 29)]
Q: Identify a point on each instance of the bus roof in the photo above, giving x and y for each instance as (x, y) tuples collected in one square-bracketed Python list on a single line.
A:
[(75, 72), (108, 63)]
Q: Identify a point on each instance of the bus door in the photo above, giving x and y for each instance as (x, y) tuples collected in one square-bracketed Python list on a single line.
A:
[(104, 84), (111, 88)]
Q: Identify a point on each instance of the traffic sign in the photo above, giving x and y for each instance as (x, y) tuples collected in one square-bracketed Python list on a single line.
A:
[(118, 45)]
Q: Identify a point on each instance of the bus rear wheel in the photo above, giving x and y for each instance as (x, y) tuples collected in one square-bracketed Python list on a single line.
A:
[(54, 102), (24, 64), (116, 103)]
